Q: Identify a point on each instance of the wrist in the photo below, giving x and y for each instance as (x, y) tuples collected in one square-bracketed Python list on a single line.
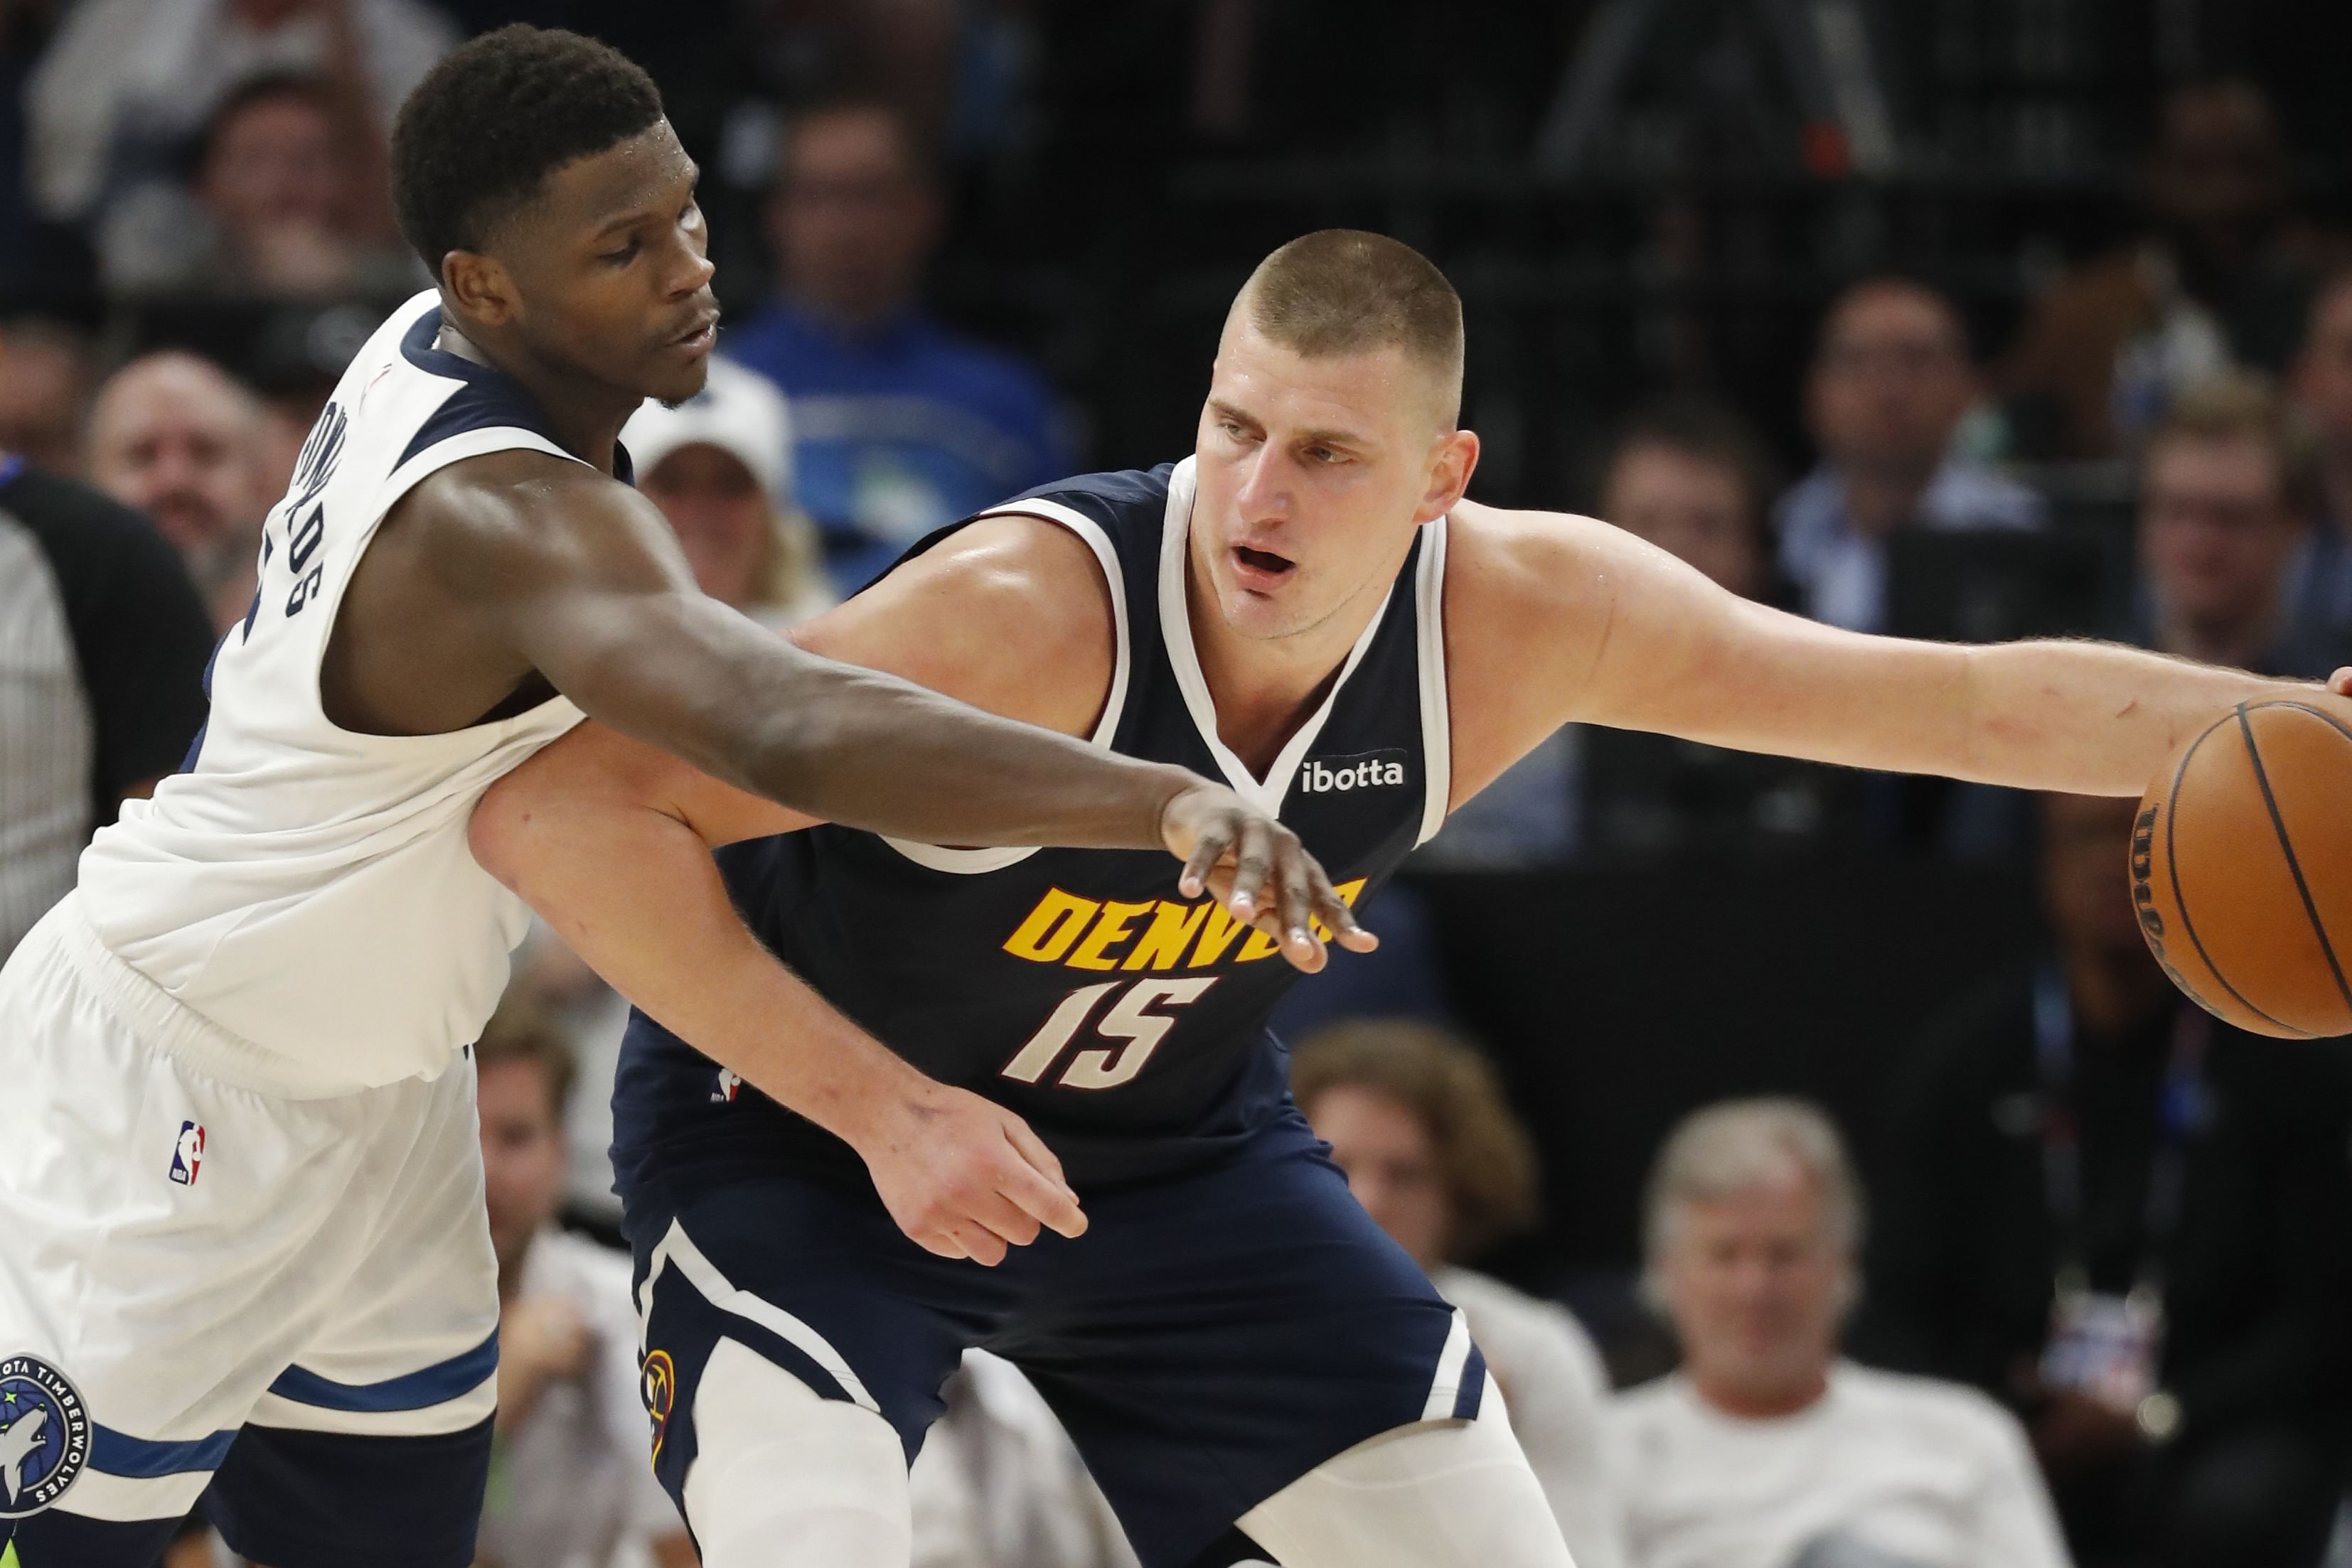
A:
[(1172, 785)]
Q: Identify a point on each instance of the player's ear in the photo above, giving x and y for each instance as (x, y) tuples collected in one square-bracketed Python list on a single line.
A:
[(1455, 460), (478, 288)]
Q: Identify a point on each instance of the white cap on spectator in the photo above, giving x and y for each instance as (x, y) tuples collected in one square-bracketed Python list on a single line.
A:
[(739, 411)]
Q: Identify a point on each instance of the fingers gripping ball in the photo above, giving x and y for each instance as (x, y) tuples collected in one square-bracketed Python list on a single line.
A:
[(2241, 869)]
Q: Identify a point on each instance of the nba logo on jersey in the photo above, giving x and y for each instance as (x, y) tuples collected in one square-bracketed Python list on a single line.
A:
[(722, 1093), (187, 1153)]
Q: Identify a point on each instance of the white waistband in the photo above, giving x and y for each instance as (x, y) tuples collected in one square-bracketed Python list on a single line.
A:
[(162, 1020)]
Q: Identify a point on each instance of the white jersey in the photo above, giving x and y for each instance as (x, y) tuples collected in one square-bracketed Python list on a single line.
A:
[(306, 889)]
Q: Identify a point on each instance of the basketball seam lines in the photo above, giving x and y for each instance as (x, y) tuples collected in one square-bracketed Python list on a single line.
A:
[(2286, 848), (2180, 902)]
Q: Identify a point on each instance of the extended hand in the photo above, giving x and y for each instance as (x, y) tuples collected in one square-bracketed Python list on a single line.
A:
[(1260, 871), (965, 1178)]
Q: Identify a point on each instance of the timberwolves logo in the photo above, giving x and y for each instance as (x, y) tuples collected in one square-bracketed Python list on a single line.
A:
[(44, 1436), (657, 1386)]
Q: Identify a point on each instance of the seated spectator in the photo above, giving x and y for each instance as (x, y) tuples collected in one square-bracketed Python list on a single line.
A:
[(1891, 381), (2226, 497), (999, 1485), (719, 467), (2131, 1222), (278, 210), (45, 381), (1691, 478), (2322, 596), (102, 651), (1767, 1449), (176, 437), (1417, 1120), (572, 1488), (901, 426), (2219, 279), (128, 85)]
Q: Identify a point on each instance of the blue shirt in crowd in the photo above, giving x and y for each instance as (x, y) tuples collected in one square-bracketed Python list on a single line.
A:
[(1840, 573), (899, 430)]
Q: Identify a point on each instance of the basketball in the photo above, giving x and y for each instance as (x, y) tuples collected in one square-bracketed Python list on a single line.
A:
[(2241, 869)]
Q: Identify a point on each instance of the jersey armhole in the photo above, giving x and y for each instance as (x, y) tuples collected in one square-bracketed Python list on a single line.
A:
[(973, 862), (1437, 714)]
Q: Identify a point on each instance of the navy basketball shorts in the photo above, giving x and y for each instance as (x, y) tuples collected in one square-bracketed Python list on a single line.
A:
[(1208, 1341)]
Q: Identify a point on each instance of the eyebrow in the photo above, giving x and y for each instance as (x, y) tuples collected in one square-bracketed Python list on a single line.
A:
[(1310, 437)]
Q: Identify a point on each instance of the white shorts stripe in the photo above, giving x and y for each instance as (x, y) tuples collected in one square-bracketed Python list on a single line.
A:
[(1446, 1387), (679, 1248)]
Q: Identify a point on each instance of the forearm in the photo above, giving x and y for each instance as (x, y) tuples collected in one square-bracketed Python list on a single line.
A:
[(849, 745), (664, 935), (2092, 718), (873, 751)]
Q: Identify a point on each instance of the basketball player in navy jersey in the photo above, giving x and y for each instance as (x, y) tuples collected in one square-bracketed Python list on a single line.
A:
[(242, 1246), (1309, 607)]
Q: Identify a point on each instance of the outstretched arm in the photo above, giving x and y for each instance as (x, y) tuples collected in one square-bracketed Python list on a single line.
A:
[(1617, 633), (557, 571)]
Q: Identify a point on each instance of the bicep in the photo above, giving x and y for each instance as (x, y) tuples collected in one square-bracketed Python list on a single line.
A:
[(1630, 637)]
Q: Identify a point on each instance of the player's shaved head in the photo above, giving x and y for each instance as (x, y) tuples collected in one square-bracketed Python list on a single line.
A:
[(1339, 292)]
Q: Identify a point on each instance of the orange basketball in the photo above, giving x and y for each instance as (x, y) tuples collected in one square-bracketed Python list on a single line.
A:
[(2241, 869)]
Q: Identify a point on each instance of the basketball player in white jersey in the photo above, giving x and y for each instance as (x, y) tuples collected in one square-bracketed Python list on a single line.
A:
[(1328, 461), (241, 1232)]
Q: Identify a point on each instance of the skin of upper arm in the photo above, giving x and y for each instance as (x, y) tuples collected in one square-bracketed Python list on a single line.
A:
[(1553, 619), (1012, 615)]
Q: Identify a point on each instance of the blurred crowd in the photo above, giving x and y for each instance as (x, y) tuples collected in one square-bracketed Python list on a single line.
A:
[(2085, 1300)]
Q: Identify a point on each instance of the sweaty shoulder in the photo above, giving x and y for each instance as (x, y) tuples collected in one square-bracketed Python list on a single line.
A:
[(1009, 613)]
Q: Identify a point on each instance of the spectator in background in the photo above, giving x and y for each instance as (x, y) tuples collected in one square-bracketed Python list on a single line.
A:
[(128, 85), (1418, 1121), (2135, 1225), (176, 437), (570, 1486), (719, 467), (2221, 278), (998, 1483), (2226, 498), (2322, 596), (1891, 379), (45, 381), (1693, 479), (902, 426), (102, 651), (1767, 1449), (279, 209)]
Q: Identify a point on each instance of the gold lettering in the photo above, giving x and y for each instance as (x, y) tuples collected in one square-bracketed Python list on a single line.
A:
[(1093, 953), (1173, 928), (1052, 927)]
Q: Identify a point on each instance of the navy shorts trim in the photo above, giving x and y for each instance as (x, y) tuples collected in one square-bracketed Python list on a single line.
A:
[(418, 1390), (334, 1499), (143, 1459), (1210, 1339)]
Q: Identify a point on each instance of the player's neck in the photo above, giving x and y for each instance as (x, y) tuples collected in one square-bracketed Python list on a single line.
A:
[(586, 417), (1263, 688)]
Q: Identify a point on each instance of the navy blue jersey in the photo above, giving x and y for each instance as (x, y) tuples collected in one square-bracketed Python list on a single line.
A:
[(1126, 1024)]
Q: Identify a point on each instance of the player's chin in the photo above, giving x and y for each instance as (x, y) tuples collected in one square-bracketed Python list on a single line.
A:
[(673, 376)]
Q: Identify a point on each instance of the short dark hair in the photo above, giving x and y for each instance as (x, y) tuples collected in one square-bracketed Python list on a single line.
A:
[(263, 87), (1343, 291), (1705, 432), (488, 124)]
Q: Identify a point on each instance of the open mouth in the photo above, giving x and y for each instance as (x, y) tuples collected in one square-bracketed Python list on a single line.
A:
[(702, 335), (1262, 564)]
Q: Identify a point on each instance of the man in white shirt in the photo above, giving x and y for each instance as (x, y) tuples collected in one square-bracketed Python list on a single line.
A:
[(570, 1486), (1767, 1449)]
